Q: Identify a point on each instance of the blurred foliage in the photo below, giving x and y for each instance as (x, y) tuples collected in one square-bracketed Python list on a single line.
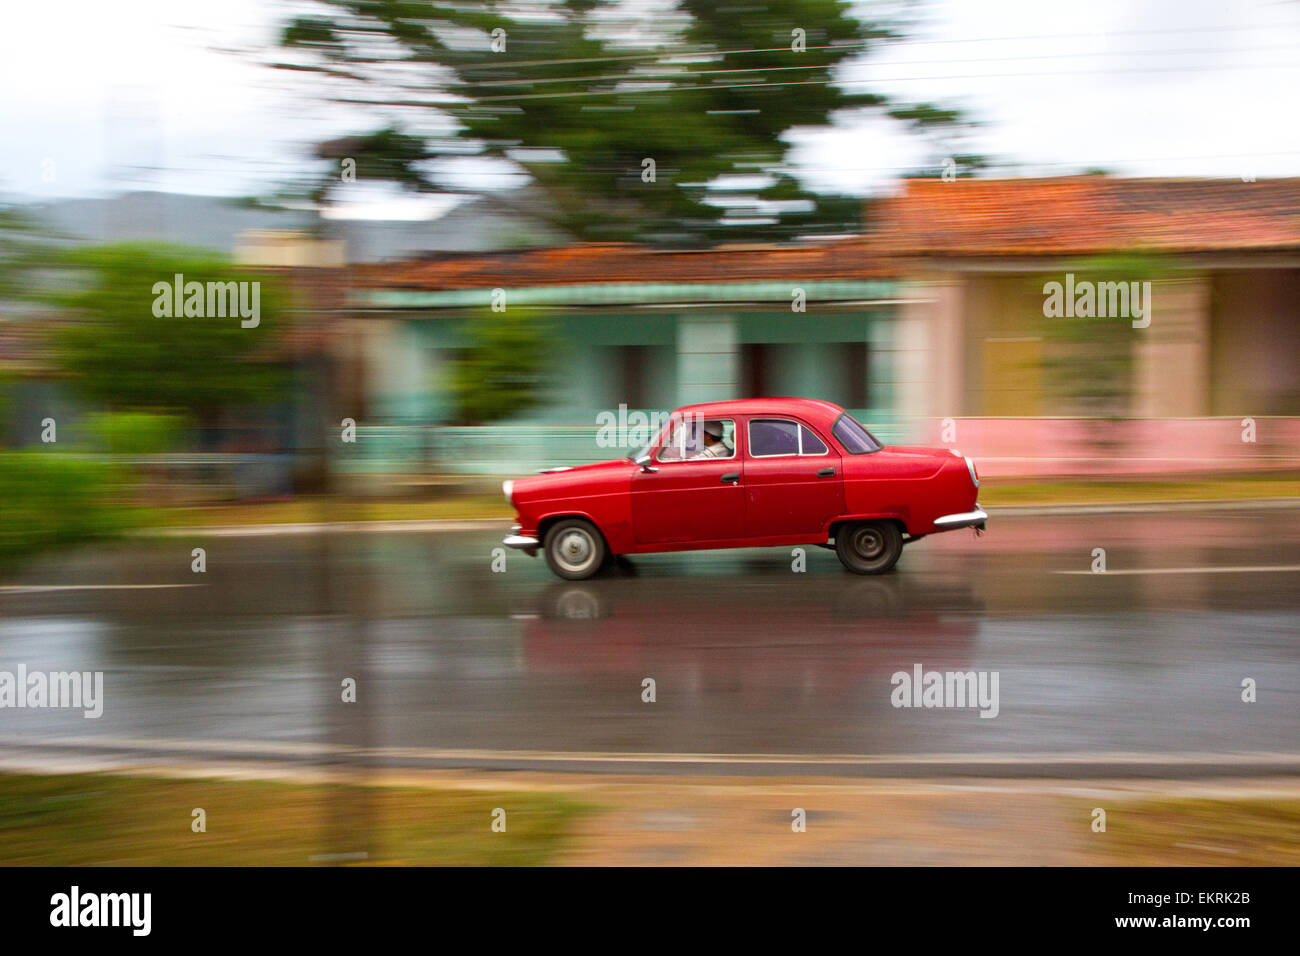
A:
[(585, 91), (116, 351), (49, 498), (1091, 360), (503, 368), (20, 242), (134, 433)]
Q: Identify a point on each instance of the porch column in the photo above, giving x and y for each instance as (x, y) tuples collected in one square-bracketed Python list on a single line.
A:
[(1172, 355), (929, 344), (708, 358)]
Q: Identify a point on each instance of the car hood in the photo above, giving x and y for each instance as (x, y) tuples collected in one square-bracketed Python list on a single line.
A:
[(562, 482)]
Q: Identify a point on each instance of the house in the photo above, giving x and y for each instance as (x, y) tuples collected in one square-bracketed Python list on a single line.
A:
[(1208, 379), (631, 327), (937, 325)]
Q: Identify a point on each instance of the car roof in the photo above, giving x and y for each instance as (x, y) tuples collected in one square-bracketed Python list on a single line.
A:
[(813, 409)]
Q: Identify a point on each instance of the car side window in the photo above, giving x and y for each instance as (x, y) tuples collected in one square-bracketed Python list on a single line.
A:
[(692, 438), (778, 437)]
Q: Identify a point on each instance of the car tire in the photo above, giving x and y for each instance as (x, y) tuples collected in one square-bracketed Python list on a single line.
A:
[(574, 549), (869, 547)]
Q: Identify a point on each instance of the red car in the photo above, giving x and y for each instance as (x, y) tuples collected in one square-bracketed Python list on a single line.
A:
[(746, 474)]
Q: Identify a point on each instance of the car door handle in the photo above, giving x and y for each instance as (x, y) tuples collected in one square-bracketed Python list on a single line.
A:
[(731, 476), (826, 473)]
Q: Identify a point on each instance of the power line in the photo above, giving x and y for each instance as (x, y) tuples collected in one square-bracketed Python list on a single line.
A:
[(819, 66), (848, 45), (882, 79), (1006, 164), (658, 54), (663, 87), (1002, 164), (760, 85)]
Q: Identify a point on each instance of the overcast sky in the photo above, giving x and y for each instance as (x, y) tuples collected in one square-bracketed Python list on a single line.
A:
[(98, 97)]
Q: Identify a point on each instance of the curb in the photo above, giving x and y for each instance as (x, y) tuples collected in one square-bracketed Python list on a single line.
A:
[(1075, 766)]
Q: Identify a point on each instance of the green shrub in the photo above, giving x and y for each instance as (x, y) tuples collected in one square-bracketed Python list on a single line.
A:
[(134, 433), (53, 498)]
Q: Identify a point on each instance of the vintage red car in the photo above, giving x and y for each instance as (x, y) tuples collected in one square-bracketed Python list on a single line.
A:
[(746, 474)]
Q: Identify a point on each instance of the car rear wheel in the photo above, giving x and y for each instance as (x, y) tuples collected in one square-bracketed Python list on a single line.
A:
[(574, 549), (869, 547)]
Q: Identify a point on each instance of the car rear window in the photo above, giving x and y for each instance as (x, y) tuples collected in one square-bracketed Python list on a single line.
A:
[(773, 437), (855, 439)]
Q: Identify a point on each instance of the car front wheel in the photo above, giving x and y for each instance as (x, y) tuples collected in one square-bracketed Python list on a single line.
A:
[(869, 547), (574, 549)]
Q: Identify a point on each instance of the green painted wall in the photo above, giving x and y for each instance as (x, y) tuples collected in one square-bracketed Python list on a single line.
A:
[(685, 357)]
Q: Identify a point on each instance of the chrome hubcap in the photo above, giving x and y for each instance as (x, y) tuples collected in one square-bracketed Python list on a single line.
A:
[(869, 543), (575, 550)]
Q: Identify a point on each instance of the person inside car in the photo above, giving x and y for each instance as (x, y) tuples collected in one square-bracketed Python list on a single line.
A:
[(714, 446)]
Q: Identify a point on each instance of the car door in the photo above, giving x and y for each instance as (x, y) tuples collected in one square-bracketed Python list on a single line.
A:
[(793, 480), (686, 499)]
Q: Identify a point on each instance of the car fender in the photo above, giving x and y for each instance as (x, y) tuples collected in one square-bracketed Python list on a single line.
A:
[(616, 528), (899, 516)]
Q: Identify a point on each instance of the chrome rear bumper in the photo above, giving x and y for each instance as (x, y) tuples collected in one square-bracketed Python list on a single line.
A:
[(967, 519)]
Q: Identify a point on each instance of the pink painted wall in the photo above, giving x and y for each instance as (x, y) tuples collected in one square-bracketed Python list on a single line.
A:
[(1049, 447)]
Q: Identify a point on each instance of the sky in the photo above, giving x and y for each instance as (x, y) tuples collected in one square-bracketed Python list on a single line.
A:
[(97, 98)]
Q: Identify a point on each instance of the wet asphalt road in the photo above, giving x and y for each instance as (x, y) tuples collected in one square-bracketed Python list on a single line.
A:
[(748, 657)]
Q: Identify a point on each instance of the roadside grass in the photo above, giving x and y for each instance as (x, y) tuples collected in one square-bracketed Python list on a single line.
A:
[(98, 819), (993, 493), (109, 820), (313, 510), (1201, 832)]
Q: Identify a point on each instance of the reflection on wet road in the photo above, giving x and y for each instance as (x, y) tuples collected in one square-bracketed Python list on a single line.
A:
[(747, 656)]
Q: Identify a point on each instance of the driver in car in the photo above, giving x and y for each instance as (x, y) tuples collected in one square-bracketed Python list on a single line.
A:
[(714, 446)]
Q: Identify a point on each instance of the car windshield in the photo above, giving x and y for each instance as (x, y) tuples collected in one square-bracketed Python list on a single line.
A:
[(643, 455), (855, 439)]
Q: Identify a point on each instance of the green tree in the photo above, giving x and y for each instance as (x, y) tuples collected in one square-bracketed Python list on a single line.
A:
[(1091, 358), (19, 246), (503, 368), (583, 95), (116, 349)]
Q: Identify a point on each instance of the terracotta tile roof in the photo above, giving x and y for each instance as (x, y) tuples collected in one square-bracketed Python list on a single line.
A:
[(624, 262), (1086, 214), (985, 217)]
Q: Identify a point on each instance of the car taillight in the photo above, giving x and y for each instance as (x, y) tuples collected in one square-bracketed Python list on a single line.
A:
[(974, 472), (507, 489)]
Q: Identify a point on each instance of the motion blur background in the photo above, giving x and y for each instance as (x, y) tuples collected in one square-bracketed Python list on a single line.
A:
[(481, 232)]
